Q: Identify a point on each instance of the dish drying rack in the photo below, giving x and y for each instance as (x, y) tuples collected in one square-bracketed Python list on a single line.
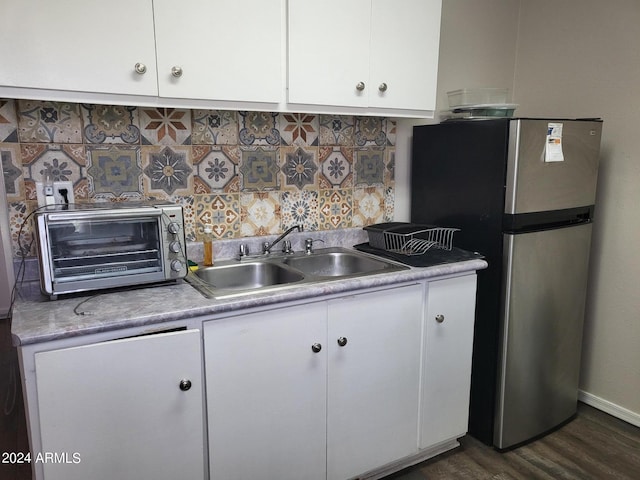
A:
[(410, 239)]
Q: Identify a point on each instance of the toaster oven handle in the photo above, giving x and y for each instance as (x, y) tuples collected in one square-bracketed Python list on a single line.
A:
[(129, 212)]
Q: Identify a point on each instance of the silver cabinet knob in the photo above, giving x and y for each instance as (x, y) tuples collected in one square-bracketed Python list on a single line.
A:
[(140, 68), (360, 86), (383, 87), (185, 385), (342, 341), (439, 318), (176, 71), (316, 347)]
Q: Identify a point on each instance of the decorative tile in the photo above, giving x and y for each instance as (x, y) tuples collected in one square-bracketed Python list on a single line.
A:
[(370, 131), (389, 203), (217, 168), (336, 130), (299, 129), (114, 172), (299, 208), (49, 122), (299, 167), (260, 214), (8, 121), (259, 128), (214, 127), (368, 206), (12, 171), (336, 167), (369, 166), (221, 211), (392, 131), (390, 166), (165, 126), (62, 162), (167, 171), (188, 214), (335, 209), (21, 228), (110, 124), (259, 168)]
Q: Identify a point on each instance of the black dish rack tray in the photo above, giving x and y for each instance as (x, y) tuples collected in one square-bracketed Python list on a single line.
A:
[(409, 238), (414, 244)]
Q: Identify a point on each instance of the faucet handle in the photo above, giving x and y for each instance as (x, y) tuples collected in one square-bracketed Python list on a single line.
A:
[(286, 246)]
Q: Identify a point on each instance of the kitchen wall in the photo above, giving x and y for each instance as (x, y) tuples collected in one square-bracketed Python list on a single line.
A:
[(581, 58), (575, 58), (248, 173)]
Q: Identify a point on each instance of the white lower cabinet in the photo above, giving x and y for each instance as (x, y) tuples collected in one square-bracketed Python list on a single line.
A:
[(330, 389), (447, 361), (373, 380), (266, 400), (323, 390), (122, 409)]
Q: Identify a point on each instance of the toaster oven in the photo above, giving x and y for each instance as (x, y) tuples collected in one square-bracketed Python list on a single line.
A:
[(95, 247)]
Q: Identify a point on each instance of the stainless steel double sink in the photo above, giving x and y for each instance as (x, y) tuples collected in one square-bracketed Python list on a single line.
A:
[(276, 272)]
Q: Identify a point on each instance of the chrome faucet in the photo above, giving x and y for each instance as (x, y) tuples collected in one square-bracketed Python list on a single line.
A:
[(266, 246)]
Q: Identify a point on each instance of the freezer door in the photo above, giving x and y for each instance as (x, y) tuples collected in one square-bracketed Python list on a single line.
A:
[(538, 182), (544, 293)]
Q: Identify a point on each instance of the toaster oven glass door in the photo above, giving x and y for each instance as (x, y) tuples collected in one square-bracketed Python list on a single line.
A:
[(103, 248)]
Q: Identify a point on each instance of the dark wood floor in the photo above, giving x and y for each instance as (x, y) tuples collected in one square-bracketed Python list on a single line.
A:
[(593, 446)]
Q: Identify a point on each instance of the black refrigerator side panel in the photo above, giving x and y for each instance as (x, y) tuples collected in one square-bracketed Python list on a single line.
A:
[(458, 180)]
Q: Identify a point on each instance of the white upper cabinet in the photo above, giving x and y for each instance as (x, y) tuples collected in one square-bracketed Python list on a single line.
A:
[(219, 49), (375, 54), (78, 45)]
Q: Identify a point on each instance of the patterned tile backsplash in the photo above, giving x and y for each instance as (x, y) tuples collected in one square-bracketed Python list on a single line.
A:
[(247, 173)]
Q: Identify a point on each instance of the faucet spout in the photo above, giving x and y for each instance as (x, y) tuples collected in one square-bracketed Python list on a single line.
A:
[(266, 247)]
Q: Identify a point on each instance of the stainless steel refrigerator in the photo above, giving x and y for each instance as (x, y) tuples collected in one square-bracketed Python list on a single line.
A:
[(522, 191)]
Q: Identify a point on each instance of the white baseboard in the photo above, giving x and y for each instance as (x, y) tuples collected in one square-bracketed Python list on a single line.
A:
[(611, 408)]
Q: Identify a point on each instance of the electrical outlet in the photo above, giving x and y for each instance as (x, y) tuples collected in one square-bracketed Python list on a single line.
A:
[(58, 199)]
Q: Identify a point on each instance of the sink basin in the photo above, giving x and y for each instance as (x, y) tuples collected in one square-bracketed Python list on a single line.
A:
[(272, 273), (337, 264), (245, 276)]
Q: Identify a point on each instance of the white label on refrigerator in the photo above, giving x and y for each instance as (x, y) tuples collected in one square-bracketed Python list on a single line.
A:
[(553, 147)]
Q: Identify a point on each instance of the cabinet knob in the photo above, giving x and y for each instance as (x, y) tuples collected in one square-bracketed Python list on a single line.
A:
[(176, 71), (140, 68), (342, 341), (316, 347), (383, 87), (360, 86), (185, 385), (439, 318)]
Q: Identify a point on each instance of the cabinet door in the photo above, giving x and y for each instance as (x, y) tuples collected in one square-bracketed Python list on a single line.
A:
[(226, 49), (266, 394), (373, 379), (405, 39), (447, 364), (78, 45), (328, 52), (119, 406)]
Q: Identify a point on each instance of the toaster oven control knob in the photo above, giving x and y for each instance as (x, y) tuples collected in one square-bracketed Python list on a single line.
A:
[(174, 247), (176, 265), (173, 227)]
